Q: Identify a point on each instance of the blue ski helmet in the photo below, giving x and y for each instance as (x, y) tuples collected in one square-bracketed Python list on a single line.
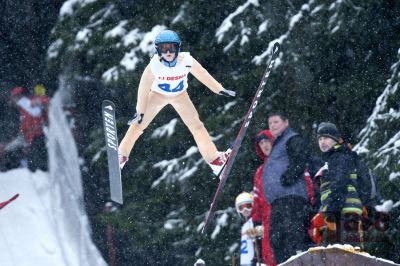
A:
[(168, 36)]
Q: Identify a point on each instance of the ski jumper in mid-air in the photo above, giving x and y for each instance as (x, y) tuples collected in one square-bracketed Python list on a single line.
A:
[(165, 81)]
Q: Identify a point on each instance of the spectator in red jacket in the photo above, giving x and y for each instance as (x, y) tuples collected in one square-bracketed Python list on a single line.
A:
[(261, 208), (33, 117)]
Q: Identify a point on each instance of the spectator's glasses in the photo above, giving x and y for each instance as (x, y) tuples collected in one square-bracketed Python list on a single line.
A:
[(168, 47), (244, 207)]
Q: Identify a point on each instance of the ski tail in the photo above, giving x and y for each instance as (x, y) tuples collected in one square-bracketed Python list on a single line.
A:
[(111, 137), (5, 203), (242, 132)]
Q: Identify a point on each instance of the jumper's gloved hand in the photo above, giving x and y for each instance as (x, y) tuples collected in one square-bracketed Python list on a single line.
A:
[(257, 231), (134, 117), (227, 93)]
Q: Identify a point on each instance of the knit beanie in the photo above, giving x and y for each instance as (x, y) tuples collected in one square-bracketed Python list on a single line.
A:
[(328, 129)]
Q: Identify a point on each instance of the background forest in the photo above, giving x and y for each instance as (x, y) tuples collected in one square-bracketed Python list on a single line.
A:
[(339, 62)]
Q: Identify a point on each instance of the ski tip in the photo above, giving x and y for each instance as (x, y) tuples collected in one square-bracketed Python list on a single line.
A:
[(109, 104)]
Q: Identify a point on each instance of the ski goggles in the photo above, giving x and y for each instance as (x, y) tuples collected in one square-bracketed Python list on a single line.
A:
[(167, 47), (245, 207)]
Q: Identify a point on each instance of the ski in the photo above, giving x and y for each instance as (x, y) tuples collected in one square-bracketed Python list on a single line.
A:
[(111, 137), (235, 149), (5, 203)]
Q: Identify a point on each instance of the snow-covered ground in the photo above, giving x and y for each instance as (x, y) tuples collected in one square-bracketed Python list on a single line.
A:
[(367, 258), (32, 231), (47, 223)]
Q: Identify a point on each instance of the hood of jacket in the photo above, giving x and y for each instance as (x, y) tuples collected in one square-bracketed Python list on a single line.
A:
[(262, 134)]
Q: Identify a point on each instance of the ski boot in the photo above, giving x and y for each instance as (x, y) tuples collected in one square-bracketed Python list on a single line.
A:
[(219, 163), (122, 160)]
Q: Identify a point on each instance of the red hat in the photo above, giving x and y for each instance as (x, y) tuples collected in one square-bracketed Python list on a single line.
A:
[(18, 91)]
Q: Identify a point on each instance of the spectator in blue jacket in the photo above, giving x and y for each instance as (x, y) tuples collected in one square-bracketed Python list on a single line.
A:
[(286, 190)]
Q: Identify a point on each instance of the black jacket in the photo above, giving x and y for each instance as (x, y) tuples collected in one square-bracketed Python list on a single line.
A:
[(342, 163), (299, 154)]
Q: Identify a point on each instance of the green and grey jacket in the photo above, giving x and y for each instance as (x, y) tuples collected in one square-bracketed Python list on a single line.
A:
[(338, 184)]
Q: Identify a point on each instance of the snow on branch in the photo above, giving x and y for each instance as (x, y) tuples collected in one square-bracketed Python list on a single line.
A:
[(167, 129), (69, 6), (293, 21), (141, 42), (177, 168), (227, 23), (221, 221), (381, 114)]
